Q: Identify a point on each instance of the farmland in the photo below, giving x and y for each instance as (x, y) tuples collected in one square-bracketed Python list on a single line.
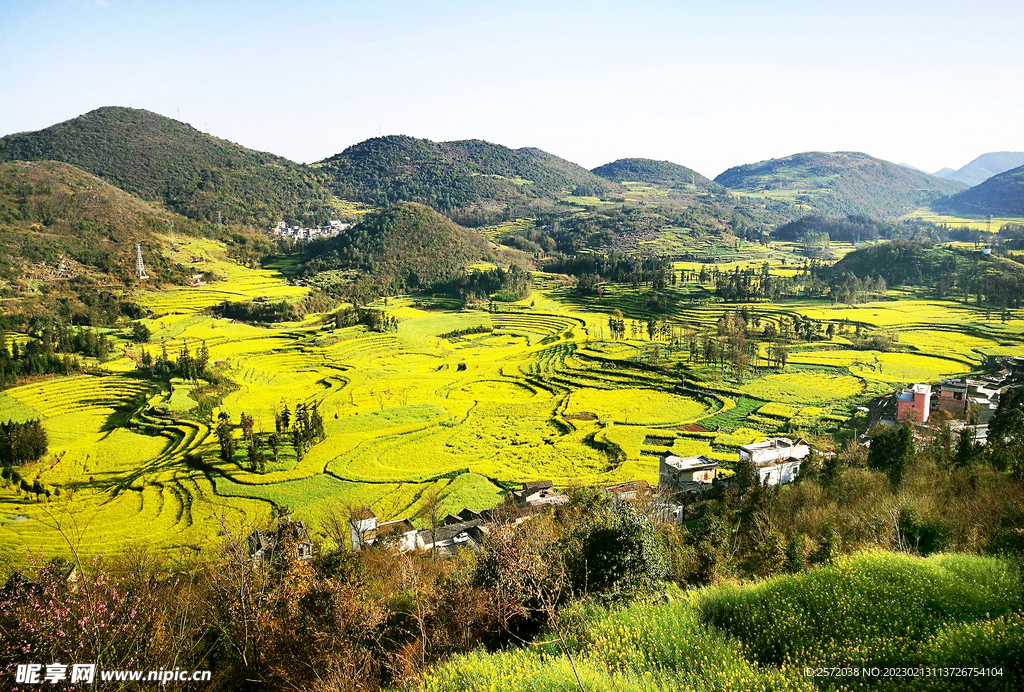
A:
[(538, 391)]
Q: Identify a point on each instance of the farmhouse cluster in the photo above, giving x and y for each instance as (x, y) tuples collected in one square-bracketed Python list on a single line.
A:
[(681, 481), (966, 402), (333, 228)]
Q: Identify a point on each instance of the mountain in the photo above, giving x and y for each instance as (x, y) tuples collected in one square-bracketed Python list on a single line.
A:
[(651, 171), (454, 175), (1002, 194), (984, 167), (67, 240), (912, 167), (405, 247), (194, 174), (944, 172), (837, 183)]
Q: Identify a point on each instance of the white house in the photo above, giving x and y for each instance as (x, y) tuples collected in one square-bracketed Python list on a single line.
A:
[(365, 531), (678, 472), (776, 459), (449, 538)]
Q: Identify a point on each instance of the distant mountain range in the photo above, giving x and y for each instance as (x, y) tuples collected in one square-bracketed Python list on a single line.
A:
[(202, 177), (1001, 195), (984, 167), (838, 183)]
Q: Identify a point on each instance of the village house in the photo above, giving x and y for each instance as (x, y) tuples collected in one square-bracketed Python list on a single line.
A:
[(964, 398), (776, 459), (914, 404), (365, 531), (1015, 367), (685, 473), (448, 538), (629, 491), (262, 544), (539, 494), (661, 507)]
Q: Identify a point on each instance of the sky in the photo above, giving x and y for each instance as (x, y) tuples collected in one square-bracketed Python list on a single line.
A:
[(708, 84)]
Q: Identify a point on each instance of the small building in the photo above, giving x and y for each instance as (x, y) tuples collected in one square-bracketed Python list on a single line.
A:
[(262, 545), (776, 459), (962, 397), (1015, 366), (365, 531), (677, 472), (539, 493), (774, 449), (629, 491), (450, 538), (914, 404)]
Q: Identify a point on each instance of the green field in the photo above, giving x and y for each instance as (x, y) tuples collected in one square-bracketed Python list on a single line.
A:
[(943, 611), (543, 395)]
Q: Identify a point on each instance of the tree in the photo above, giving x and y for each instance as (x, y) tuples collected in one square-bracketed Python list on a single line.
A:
[(893, 451), (21, 443), (620, 555), (746, 475), (709, 537), (140, 333), (1006, 432), (225, 437), (257, 462), (966, 449)]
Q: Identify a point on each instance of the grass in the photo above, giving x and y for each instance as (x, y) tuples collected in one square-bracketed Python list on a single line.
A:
[(955, 610)]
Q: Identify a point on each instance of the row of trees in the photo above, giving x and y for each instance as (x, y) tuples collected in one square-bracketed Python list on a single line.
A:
[(22, 443), (189, 365), (301, 430), (507, 285), (374, 320), (30, 360)]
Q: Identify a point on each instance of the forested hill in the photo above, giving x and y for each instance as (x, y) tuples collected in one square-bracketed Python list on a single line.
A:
[(453, 175), (836, 183), (405, 247), (656, 172), (67, 239), (996, 281), (194, 174), (1000, 194)]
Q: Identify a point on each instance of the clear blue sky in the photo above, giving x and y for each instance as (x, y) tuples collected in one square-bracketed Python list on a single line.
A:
[(707, 84)]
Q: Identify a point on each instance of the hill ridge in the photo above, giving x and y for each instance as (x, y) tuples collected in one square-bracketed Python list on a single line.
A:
[(162, 159), (840, 182)]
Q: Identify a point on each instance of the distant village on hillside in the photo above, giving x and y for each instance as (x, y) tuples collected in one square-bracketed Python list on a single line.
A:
[(297, 233)]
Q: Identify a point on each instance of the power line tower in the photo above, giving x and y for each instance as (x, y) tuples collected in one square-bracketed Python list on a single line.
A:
[(220, 219), (139, 266)]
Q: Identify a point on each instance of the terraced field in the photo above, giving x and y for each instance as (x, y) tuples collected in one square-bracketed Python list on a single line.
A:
[(542, 395)]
